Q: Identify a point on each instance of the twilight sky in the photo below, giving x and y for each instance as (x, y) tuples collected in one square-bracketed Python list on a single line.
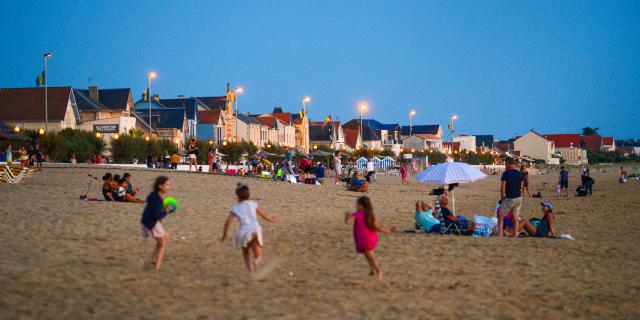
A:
[(503, 66)]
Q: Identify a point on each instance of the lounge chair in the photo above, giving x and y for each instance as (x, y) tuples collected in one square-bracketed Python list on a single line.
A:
[(9, 177)]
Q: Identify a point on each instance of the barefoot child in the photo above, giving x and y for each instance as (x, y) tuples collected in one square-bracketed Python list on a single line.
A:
[(365, 232), (151, 217), (249, 235)]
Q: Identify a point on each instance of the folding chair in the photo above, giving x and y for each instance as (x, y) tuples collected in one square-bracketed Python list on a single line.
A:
[(446, 228)]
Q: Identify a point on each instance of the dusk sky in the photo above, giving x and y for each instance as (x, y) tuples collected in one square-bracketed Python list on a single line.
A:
[(503, 66)]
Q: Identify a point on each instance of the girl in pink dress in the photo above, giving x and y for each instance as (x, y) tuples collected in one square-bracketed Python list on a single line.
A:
[(403, 174), (365, 232)]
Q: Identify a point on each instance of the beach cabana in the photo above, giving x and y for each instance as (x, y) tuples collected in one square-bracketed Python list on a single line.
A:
[(383, 164), (361, 163), (448, 173)]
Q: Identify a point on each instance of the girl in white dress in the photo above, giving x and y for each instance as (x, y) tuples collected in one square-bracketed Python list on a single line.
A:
[(249, 235)]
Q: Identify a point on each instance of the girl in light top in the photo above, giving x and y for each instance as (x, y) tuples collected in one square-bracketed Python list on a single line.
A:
[(365, 232), (249, 235)]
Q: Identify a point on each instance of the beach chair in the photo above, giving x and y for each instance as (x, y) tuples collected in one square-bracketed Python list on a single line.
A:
[(452, 227), (9, 177)]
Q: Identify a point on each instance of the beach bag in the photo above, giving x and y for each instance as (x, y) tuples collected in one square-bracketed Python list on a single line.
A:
[(483, 226)]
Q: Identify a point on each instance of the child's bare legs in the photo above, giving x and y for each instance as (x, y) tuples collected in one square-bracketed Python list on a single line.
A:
[(252, 263), (257, 252), (373, 263), (158, 253), (247, 258)]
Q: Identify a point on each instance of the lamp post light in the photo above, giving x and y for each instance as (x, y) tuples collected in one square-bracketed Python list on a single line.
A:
[(411, 114), (150, 75), (237, 91), (363, 107), (305, 126), (454, 117), (47, 56)]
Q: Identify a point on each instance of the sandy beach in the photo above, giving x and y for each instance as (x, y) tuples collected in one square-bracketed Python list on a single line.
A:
[(63, 258)]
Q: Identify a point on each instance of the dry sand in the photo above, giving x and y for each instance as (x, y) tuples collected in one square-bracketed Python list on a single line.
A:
[(63, 258)]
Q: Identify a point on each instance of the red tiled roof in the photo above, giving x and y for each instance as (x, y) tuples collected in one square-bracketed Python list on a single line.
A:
[(209, 116), (27, 104), (607, 141), (267, 120), (592, 142), (564, 140), (284, 117), (351, 137)]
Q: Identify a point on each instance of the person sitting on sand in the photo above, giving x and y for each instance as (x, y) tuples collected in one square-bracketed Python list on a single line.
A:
[(449, 218), (107, 183), (425, 217), (357, 185), (123, 195), (130, 189), (545, 228)]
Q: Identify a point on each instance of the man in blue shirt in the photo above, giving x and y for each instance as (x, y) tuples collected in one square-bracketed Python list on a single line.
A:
[(564, 181), (510, 193)]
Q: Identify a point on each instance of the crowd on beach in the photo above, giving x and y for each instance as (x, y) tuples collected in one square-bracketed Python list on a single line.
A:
[(31, 158)]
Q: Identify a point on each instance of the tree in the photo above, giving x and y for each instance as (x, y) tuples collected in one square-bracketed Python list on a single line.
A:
[(588, 131)]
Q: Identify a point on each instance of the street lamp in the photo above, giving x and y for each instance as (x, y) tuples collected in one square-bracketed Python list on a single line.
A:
[(237, 91), (305, 123), (41, 131), (452, 129), (116, 137), (98, 135), (16, 129), (363, 107), (47, 56), (150, 75), (411, 114)]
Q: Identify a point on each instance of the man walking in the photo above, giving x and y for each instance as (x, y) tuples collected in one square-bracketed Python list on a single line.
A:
[(564, 181), (511, 195)]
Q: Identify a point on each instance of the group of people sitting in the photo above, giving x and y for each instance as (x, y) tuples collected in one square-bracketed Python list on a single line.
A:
[(429, 219), (116, 188)]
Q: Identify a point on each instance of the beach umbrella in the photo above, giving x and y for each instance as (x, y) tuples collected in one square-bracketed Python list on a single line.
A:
[(263, 153), (320, 153), (448, 173)]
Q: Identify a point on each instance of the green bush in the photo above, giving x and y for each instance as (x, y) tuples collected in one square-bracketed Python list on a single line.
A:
[(59, 146), (129, 147)]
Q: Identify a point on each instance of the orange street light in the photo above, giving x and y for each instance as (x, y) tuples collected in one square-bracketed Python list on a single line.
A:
[(116, 137), (41, 131)]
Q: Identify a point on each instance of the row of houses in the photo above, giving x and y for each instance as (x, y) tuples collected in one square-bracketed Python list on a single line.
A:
[(113, 112)]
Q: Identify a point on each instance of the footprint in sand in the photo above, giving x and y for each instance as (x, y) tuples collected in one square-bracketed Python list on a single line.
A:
[(266, 268)]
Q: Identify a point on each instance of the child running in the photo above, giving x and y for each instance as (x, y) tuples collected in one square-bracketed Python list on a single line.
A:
[(365, 232), (151, 217), (249, 235)]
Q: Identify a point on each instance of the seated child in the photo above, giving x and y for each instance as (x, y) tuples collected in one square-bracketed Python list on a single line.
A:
[(358, 185), (123, 196), (425, 217)]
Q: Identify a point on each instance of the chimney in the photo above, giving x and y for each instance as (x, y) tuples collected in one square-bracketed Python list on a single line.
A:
[(156, 97), (93, 93), (180, 96)]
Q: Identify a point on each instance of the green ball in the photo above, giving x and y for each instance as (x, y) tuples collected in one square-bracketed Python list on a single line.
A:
[(170, 201)]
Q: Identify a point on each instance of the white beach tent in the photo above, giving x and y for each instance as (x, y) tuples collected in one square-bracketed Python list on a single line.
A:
[(448, 173)]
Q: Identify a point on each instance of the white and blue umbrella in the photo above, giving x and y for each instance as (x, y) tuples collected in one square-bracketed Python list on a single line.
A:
[(450, 172)]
